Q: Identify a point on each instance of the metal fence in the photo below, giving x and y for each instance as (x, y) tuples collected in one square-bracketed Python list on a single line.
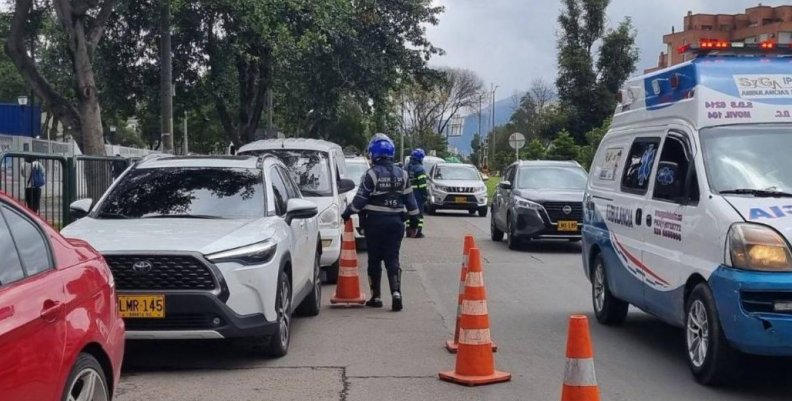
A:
[(66, 179)]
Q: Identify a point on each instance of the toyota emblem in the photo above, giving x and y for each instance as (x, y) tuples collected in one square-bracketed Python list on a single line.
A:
[(567, 209), (142, 267)]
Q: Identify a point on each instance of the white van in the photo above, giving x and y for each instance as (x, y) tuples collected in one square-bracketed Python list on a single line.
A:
[(688, 207), (318, 168)]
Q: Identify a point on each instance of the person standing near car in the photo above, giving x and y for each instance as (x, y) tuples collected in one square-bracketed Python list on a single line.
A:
[(35, 177), (384, 195), (418, 181)]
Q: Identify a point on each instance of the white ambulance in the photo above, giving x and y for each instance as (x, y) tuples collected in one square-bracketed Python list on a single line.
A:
[(688, 209)]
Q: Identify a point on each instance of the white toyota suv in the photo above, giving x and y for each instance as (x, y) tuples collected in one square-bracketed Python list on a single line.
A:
[(207, 248)]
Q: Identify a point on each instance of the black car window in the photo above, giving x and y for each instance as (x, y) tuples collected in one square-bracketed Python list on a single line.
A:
[(31, 246), (551, 178), (511, 174), (226, 193), (639, 165), (674, 173), (11, 268), (279, 191)]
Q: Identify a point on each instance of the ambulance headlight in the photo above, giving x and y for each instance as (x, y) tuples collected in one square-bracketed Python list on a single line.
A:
[(757, 247)]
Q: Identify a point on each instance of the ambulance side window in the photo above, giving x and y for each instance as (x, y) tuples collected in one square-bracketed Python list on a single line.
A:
[(676, 179), (639, 164)]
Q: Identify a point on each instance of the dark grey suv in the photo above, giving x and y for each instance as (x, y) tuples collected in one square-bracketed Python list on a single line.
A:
[(539, 200)]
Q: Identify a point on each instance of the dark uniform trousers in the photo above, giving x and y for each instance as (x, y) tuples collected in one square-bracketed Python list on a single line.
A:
[(384, 233)]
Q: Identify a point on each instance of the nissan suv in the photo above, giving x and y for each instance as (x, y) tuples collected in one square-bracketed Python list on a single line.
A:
[(207, 248), (539, 200)]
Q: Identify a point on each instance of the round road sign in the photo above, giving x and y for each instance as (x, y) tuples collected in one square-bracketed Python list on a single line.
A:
[(517, 140)]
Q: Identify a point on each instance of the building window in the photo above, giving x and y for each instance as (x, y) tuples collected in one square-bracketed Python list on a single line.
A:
[(725, 28), (706, 27)]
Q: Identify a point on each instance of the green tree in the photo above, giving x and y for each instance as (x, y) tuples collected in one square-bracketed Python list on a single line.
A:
[(593, 139), (475, 154), (11, 83), (535, 150), (82, 24), (563, 147), (587, 88)]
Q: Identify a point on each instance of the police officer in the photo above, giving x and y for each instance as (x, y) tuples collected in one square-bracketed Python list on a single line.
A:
[(418, 180), (384, 195)]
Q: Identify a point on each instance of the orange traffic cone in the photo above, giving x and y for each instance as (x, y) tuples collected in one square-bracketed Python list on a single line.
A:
[(580, 381), (475, 364), (348, 287), (453, 345)]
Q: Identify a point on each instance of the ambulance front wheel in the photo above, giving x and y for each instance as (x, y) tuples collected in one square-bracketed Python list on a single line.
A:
[(710, 357), (609, 310)]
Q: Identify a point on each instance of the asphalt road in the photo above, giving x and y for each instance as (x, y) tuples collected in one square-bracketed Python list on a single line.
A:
[(364, 354)]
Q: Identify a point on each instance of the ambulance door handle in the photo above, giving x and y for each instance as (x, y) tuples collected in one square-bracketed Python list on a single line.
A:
[(638, 217)]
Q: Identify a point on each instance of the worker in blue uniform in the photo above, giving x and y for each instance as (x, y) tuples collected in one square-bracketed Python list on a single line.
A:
[(386, 197), (418, 180)]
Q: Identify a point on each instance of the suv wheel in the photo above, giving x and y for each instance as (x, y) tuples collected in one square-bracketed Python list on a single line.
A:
[(482, 211), (710, 357), (279, 343), (331, 273), (608, 309), (512, 239), (312, 304), (86, 381), (497, 235), (431, 210)]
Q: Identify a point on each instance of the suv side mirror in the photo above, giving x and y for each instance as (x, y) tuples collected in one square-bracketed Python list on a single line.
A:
[(505, 185), (300, 209), (80, 208), (345, 185)]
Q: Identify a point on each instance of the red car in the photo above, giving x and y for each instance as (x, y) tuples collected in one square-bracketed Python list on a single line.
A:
[(61, 336)]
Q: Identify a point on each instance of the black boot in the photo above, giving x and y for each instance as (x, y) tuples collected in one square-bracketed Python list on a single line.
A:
[(394, 280), (376, 296)]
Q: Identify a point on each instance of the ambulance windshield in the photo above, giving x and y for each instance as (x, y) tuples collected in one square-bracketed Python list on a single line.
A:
[(748, 159)]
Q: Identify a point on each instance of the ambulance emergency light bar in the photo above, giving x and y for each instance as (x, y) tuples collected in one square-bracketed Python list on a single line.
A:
[(722, 47)]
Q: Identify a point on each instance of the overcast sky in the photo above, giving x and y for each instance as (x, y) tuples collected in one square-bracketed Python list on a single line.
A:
[(512, 42)]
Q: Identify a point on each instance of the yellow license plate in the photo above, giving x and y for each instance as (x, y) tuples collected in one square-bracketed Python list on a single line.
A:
[(142, 306), (567, 226), (460, 199)]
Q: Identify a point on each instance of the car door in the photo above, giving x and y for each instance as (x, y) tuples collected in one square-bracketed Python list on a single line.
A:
[(499, 201), (297, 232), (625, 214), (32, 325), (672, 214)]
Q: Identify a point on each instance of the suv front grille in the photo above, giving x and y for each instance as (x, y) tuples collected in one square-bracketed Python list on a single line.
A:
[(555, 210), (462, 190), (166, 272)]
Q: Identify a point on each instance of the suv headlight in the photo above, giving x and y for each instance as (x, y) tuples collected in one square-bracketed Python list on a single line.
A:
[(481, 189), (254, 254), (757, 247), (329, 218), (440, 188), (523, 203)]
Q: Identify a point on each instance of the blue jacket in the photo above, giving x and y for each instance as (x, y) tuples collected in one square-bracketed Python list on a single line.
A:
[(385, 189)]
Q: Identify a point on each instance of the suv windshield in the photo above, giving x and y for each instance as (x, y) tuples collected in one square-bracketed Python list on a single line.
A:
[(456, 173), (309, 169), (355, 171), (552, 178), (222, 193), (745, 159)]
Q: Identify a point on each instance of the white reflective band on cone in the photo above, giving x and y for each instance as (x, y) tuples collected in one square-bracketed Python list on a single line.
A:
[(475, 337), (474, 279), (348, 254), (465, 260), (347, 272), (580, 372), (474, 308), (348, 236)]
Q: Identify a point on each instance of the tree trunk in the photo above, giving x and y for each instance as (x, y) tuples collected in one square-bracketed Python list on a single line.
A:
[(166, 78)]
